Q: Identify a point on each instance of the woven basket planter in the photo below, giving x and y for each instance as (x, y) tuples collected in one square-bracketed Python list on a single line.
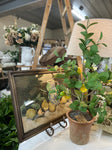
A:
[(107, 124)]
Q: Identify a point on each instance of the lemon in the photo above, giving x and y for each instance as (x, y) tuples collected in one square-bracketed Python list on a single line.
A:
[(30, 114), (64, 99), (52, 107), (45, 105)]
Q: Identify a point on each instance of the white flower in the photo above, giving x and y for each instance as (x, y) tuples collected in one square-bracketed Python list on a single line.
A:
[(35, 32), (94, 67), (24, 28), (27, 37), (34, 25)]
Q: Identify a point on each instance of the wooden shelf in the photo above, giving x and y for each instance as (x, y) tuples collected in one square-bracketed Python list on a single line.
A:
[(3, 78), (38, 66)]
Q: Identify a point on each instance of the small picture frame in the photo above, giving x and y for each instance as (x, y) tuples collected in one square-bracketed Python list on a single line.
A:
[(34, 108)]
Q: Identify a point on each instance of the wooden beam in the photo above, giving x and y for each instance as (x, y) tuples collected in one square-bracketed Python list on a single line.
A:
[(70, 18), (61, 9), (68, 32), (42, 33), (64, 12), (13, 5)]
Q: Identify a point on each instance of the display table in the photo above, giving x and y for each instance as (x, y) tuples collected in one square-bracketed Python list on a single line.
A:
[(60, 141)]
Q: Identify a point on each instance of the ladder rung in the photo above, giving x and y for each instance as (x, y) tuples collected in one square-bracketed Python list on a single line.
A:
[(68, 32), (64, 11)]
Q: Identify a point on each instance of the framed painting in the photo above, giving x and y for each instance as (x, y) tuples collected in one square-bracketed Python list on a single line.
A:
[(34, 108)]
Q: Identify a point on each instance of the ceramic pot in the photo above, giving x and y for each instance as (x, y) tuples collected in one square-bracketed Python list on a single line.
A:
[(79, 132), (27, 54)]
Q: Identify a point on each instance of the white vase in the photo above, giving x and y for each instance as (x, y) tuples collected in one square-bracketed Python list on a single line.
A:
[(27, 54)]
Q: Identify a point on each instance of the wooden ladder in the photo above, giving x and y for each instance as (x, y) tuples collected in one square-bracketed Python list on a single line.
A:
[(1, 71), (64, 8)]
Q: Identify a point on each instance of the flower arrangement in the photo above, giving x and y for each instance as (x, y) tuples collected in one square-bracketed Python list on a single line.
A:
[(85, 87), (21, 36)]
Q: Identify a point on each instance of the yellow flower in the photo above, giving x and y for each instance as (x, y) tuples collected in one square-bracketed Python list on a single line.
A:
[(56, 67), (109, 92), (83, 89), (109, 81), (84, 61), (79, 70)]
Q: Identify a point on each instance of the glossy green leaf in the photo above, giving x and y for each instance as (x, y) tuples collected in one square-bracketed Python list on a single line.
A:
[(82, 25), (78, 84), (89, 35), (104, 44), (81, 45), (75, 105), (55, 52), (58, 60), (92, 24), (101, 35)]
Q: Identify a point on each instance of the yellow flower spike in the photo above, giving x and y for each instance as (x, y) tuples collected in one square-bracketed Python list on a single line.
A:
[(84, 61), (56, 67), (83, 89), (109, 81), (109, 92), (79, 70)]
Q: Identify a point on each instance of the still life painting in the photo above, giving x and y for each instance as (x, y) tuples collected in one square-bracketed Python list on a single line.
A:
[(34, 107)]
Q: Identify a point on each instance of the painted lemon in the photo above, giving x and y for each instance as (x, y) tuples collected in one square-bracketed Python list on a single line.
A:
[(40, 112), (64, 99), (52, 107), (45, 105), (30, 113)]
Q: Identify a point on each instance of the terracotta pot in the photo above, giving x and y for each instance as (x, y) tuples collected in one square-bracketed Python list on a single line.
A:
[(79, 132)]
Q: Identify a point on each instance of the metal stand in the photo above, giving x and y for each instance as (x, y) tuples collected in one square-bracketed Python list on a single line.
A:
[(62, 123), (50, 130)]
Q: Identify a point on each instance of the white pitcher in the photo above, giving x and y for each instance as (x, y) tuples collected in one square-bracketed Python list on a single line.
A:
[(27, 54)]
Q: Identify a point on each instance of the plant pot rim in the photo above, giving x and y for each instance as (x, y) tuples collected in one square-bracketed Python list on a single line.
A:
[(88, 122)]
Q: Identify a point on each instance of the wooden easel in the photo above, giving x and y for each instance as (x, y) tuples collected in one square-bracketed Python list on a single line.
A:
[(1, 71), (63, 10)]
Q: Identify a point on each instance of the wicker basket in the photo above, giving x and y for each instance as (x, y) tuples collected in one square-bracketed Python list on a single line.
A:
[(107, 124), (49, 58), (106, 128)]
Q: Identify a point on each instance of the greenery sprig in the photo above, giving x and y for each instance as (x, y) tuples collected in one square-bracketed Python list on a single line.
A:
[(92, 83)]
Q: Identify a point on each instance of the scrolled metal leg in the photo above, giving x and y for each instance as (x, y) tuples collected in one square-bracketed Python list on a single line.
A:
[(64, 121), (50, 130)]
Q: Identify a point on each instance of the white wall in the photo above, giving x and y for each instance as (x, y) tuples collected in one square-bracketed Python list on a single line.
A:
[(9, 20)]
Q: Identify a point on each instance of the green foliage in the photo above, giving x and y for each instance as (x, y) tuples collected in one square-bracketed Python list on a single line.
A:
[(75, 105), (8, 132), (91, 84)]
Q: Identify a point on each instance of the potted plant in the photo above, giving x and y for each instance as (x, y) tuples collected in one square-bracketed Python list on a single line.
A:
[(85, 87)]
